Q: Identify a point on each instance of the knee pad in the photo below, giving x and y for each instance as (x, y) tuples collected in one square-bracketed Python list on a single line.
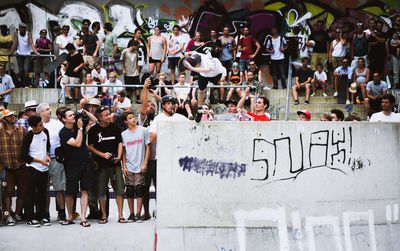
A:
[(139, 190), (130, 191)]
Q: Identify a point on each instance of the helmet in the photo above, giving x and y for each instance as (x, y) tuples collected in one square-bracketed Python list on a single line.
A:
[(168, 98)]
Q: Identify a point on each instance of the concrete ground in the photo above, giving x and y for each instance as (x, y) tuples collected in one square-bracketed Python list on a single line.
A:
[(110, 236)]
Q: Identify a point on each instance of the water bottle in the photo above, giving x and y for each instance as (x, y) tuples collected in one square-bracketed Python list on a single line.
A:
[(40, 83)]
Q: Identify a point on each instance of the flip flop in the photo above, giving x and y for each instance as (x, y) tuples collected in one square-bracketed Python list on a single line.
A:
[(103, 221), (122, 220), (84, 223), (67, 222)]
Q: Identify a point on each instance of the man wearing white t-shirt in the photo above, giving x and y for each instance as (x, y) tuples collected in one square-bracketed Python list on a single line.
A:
[(64, 39), (319, 79), (182, 94), (175, 47), (386, 115), (121, 103), (276, 45), (210, 70), (56, 169)]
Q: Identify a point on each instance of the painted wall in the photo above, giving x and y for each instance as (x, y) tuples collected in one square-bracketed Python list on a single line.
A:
[(294, 185), (296, 18)]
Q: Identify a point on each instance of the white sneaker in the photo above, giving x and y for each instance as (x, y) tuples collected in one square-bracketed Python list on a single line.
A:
[(267, 88), (347, 102), (335, 94)]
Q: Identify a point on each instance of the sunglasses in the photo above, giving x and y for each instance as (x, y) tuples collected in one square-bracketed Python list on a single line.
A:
[(43, 32), (252, 64), (98, 69), (345, 62)]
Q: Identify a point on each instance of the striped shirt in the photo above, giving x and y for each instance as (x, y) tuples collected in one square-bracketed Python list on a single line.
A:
[(10, 148)]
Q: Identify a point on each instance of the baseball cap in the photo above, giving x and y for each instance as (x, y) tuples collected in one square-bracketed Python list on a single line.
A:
[(30, 105), (6, 113), (305, 112)]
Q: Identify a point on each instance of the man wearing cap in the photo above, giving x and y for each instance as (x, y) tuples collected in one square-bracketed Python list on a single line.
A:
[(11, 137), (304, 115), (30, 110), (210, 70), (23, 44), (56, 169), (261, 106), (6, 87)]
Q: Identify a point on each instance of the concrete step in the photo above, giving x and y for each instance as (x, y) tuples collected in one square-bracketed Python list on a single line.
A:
[(40, 95), (313, 100)]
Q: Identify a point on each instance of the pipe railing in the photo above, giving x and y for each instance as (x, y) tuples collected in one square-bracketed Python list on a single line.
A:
[(51, 56)]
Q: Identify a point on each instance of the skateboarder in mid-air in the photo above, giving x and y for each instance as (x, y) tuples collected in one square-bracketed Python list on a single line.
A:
[(210, 70)]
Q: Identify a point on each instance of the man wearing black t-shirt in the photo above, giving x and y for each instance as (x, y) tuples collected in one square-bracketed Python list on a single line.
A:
[(303, 80), (91, 46), (74, 62), (77, 167), (320, 46), (377, 52), (105, 142)]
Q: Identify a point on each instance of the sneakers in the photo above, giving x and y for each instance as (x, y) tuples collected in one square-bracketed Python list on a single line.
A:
[(335, 94), (76, 215), (10, 221), (45, 222), (139, 218), (266, 88), (33, 223), (296, 102), (324, 94), (131, 218), (306, 102), (199, 114), (18, 218), (312, 94), (347, 102), (61, 217)]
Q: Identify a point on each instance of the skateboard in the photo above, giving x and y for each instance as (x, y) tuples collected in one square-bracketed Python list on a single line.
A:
[(56, 63), (342, 89), (207, 47)]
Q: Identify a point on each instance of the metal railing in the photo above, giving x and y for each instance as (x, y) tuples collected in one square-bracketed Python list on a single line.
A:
[(51, 56)]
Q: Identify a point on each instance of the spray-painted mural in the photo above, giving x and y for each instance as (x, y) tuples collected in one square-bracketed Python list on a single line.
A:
[(295, 19)]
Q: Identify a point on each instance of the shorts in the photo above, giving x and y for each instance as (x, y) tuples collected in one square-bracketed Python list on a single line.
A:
[(203, 81), (89, 61), (173, 62), (135, 179), (154, 61), (15, 177), (78, 173), (40, 63), (187, 102), (141, 63), (228, 65), (131, 81), (318, 57), (71, 80), (57, 175), (151, 173), (108, 64), (107, 173)]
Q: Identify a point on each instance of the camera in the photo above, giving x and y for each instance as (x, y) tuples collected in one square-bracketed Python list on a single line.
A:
[(84, 116), (252, 88), (154, 80)]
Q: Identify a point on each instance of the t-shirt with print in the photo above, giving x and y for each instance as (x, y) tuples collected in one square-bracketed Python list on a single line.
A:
[(43, 43), (174, 43), (303, 75), (376, 89), (72, 153), (73, 62), (247, 43), (104, 139), (135, 147), (109, 44), (320, 76)]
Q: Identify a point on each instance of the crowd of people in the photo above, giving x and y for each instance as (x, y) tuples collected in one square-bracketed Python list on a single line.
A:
[(103, 142)]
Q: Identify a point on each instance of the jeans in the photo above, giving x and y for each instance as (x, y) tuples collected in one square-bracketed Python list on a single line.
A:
[(396, 69), (275, 64), (35, 193), (24, 64)]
